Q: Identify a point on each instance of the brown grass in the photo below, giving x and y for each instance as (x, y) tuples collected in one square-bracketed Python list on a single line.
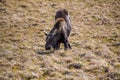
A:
[(95, 40)]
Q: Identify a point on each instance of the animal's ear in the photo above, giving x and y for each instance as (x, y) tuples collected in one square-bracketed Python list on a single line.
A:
[(45, 33)]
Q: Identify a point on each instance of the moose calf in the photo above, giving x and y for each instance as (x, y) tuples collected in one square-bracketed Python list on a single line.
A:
[(60, 32)]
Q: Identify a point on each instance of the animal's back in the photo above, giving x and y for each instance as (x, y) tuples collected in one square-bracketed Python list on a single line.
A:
[(62, 13), (62, 27)]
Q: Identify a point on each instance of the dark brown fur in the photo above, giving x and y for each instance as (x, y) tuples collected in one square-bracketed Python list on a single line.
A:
[(60, 32)]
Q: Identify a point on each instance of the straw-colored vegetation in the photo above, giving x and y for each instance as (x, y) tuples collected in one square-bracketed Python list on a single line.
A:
[(95, 40)]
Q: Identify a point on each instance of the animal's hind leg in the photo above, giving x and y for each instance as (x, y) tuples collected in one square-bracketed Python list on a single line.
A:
[(67, 45)]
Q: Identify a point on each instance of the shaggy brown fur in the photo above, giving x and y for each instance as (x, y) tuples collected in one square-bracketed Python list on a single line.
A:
[(60, 32)]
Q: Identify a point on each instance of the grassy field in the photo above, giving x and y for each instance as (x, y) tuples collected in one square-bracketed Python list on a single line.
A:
[(95, 40)]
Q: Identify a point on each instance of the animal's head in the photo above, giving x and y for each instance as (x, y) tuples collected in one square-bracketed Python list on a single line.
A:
[(50, 41)]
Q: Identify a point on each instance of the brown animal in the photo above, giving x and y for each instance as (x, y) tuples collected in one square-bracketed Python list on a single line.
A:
[(60, 32)]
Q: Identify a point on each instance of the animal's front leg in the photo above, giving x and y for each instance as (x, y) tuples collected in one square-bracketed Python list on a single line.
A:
[(57, 46)]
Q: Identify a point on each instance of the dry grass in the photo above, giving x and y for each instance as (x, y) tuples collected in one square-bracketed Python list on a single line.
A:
[(95, 40)]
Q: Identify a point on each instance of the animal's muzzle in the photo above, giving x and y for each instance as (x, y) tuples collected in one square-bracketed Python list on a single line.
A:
[(47, 47)]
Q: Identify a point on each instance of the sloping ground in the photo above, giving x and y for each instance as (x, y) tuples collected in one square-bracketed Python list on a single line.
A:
[(95, 40)]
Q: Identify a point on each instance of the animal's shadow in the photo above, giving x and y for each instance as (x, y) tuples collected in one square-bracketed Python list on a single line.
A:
[(45, 52)]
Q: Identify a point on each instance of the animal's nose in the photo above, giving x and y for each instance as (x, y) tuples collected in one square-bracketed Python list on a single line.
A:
[(47, 47)]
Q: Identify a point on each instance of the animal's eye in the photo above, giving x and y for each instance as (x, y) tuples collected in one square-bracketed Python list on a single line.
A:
[(48, 39)]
